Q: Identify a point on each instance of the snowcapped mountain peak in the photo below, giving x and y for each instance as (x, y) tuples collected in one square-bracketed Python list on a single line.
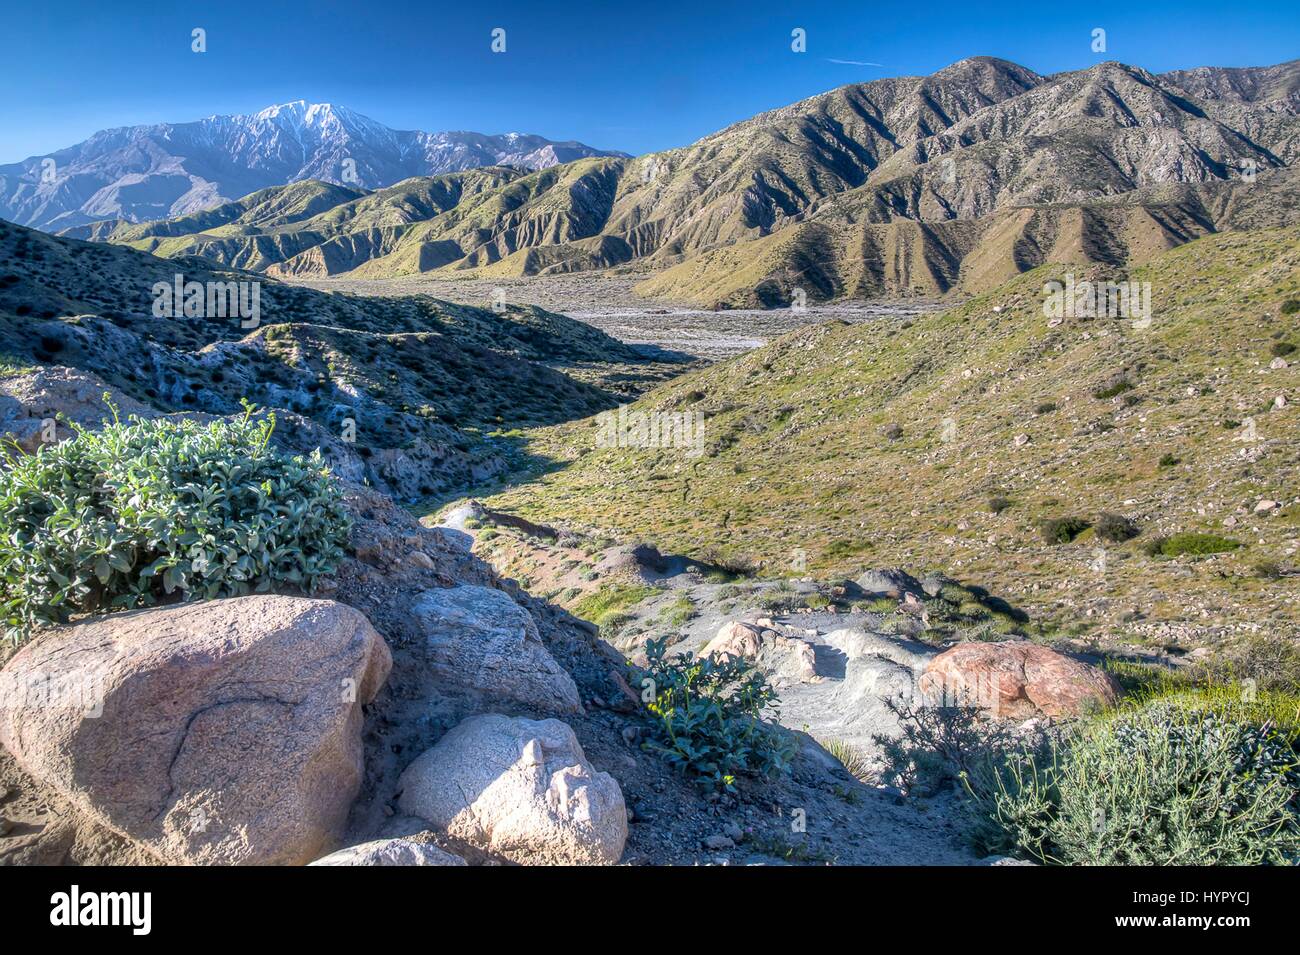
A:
[(201, 164)]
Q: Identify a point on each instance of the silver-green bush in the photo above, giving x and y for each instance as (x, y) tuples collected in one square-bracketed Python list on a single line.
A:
[(138, 512), (1163, 784)]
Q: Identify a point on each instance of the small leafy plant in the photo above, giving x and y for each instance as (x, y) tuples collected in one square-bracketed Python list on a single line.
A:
[(145, 511), (709, 718)]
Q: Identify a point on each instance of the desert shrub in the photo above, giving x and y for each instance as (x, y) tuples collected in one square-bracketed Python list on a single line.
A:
[(848, 756), (1268, 569), (607, 607), (1047, 407), (679, 611), (1115, 385), (1114, 528), (1062, 530), (998, 504), (709, 718), (1160, 784), (1168, 460), (939, 744), (893, 431), (140, 512), (1189, 543), (1270, 663)]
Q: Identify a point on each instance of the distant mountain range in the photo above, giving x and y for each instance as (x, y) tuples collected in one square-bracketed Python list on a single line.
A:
[(139, 173), (910, 185)]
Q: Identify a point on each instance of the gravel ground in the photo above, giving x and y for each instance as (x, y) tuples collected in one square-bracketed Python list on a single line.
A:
[(608, 302)]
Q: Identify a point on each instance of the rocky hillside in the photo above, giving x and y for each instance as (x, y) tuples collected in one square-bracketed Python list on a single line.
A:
[(1118, 481), (138, 173), (406, 393), (895, 187)]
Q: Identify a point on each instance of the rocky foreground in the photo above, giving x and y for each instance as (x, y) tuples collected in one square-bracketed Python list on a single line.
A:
[(419, 709)]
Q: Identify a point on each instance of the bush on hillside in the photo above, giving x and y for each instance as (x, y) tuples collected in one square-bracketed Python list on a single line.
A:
[(709, 718), (1062, 530), (1190, 544), (1163, 784), (146, 511), (1114, 528)]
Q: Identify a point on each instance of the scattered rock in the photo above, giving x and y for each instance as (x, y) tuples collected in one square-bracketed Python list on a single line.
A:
[(1017, 680), (718, 842), (391, 852), (1264, 506), (520, 788), (890, 583), (1020, 440), (774, 653), (481, 641), (239, 721)]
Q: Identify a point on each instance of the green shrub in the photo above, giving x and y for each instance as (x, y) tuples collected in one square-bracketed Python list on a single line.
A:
[(1168, 460), (998, 504), (709, 718), (137, 513), (1047, 407), (1291, 306), (1178, 545), (1115, 385), (941, 742), (1114, 528), (1270, 663), (1281, 349), (607, 607), (848, 756), (1062, 530), (1159, 785), (681, 610)]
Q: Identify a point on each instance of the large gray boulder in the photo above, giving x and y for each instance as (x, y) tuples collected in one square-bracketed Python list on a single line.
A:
[(223, 732), (399, 851), (889, 583), (520, 788), (479, 640)]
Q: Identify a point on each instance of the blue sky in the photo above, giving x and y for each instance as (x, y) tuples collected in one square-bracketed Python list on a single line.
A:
[(637, 75)]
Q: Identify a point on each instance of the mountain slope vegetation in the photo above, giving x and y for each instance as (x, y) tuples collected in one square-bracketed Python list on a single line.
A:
[(901, 186), (422, 381), (1082, 468)]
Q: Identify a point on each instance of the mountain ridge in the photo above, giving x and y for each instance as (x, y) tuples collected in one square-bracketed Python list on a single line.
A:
[(160, 170), (895, 187)]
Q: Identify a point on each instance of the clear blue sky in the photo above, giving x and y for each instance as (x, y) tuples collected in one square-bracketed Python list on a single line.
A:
[(637, 75)]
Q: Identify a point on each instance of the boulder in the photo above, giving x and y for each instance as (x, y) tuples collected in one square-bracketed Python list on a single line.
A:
[(391, 852), (774, 653), (222, 732), (480, 641), (734, 639), (520, 788), (890, 583), (1017, 680)]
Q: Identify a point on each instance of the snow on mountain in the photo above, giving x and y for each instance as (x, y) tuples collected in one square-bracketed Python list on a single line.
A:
[(140, 173)]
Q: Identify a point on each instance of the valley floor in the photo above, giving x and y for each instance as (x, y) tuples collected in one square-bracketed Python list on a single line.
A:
[(608, 302)]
